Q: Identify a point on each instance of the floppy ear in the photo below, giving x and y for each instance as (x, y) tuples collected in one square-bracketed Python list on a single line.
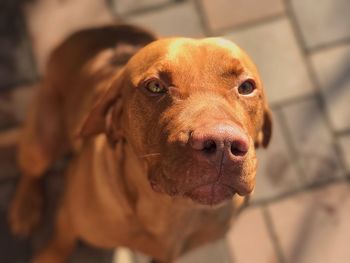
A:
[(105, 114), (266, 130), (106, 109)]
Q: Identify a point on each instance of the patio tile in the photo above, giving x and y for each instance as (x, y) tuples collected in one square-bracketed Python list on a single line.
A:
[(16, 62), (344, 143), (176, 20), (314, 226), (274, 49), (125, 255), (332, 67), (214, 252), (276, 173), (49, 22), (222, 14), (249, 239), (312, 140), (25, 62), (323, 21), (136, 258), (126, 6)]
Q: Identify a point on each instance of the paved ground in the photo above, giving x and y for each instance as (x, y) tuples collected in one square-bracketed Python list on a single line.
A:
[(301, 208)]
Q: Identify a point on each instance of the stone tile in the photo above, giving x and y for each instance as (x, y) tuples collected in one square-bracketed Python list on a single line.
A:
[(276, 173), (9, 16), (312, 140), (214, 252), (344, 143), (314, 226), (16, 63), (323, 23), (126, 6), (7, 63), (125, 255), (138, 258), (50, 21), (249, 233), (25, 65), (332, 67), (274, 49), (222, 14), (176, 20), (249, 239)]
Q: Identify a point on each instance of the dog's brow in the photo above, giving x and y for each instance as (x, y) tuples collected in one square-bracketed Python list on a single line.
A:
[(176, 48), (234, 68), (166, 76), (222, 43)]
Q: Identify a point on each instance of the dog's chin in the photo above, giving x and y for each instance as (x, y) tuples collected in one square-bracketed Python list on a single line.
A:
[(211, 194)]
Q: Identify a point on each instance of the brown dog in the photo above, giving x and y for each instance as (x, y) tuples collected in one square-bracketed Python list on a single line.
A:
[(166, 149)]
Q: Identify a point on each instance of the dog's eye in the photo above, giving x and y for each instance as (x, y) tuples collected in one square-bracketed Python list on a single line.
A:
[(155, 86), (246, 87)]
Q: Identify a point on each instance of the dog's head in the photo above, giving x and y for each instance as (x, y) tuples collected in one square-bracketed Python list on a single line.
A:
[(194, 111)]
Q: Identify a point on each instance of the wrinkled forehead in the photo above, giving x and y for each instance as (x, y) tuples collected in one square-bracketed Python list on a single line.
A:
[(202, 48), (190, 57)]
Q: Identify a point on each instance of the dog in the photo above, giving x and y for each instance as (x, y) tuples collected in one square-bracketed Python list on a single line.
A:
[(163, 134)]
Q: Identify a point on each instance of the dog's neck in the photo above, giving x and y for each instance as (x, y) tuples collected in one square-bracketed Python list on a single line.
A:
[(151, 213), (137, 182)]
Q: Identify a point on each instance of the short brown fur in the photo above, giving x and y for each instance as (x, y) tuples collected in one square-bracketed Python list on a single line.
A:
[(132, 175)]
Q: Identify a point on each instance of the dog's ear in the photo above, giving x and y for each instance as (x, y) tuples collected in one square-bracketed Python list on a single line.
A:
[(104, 117), (265, 134), (107, 108)]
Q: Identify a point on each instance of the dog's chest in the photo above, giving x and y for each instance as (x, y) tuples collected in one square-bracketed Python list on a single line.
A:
[(176, 229), (155, 224)]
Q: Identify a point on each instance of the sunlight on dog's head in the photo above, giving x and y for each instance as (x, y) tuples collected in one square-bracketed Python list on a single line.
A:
[(194, 112)]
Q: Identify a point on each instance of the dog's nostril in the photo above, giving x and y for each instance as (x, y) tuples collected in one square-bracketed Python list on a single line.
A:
[(238, 149), (209, 146)]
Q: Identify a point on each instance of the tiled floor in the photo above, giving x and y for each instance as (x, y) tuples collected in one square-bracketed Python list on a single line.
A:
[(300, 211)]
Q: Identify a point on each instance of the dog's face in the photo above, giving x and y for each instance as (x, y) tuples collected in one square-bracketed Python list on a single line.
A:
[(194, 111)]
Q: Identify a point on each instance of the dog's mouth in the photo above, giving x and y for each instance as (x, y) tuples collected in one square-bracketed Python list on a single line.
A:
[(211, 194), (203, 182), (208, 194)]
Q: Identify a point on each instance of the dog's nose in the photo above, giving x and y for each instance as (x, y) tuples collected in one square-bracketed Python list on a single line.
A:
[(221, 140)]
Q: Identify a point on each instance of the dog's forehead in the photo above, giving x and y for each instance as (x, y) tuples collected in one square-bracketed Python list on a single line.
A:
[(208, 47), (185, 55)]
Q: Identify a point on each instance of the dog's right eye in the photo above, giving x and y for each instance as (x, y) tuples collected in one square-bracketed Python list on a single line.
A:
[(246, 88), (155, 86)]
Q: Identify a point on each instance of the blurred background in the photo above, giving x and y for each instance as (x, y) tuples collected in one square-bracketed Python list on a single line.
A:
[(301, 208)]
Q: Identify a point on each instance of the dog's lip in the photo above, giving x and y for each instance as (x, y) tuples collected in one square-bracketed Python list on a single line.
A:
[(211, 193)]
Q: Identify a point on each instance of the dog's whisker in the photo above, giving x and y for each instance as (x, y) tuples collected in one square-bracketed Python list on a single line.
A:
[(150, 155), (161, 98)]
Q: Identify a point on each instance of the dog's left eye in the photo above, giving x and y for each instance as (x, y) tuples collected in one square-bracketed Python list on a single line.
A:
[(247, 87), (155, 86)]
